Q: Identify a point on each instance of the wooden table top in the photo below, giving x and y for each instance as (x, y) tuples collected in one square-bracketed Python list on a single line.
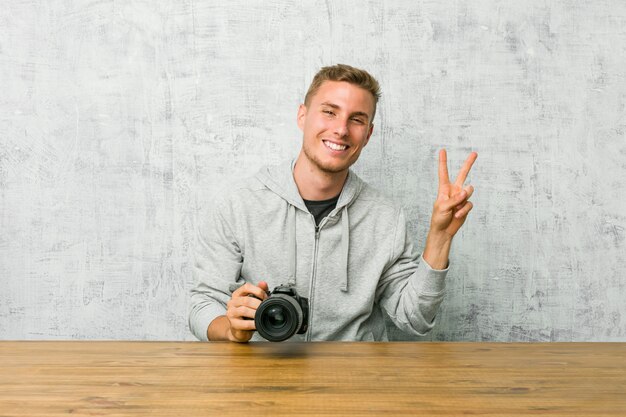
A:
[(313, 379)]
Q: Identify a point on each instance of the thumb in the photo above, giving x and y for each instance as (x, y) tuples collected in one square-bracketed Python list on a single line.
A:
[(263, 285)]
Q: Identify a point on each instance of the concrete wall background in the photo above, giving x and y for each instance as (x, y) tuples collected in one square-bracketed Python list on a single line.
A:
[(118, 119)]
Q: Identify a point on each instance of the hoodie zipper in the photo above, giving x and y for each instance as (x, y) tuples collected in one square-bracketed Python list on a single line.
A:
[(312, 284)]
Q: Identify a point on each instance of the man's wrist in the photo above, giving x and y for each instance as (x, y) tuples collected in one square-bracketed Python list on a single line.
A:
[(437, 250)]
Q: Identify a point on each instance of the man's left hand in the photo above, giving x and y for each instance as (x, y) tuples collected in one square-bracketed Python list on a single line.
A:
[(452, 205)]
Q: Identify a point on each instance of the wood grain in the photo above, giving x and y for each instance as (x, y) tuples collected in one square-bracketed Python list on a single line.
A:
[(315, 379)]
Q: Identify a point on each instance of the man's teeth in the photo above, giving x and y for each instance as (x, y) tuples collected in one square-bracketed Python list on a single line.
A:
[(334, 146)]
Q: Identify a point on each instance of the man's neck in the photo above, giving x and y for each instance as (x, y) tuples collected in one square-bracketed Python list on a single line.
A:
[(315, 184)]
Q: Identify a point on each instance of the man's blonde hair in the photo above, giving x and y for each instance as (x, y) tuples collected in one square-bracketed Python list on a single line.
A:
[(342, 72)]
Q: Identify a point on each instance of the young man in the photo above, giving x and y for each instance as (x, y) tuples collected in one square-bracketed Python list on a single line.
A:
[(313, 224)]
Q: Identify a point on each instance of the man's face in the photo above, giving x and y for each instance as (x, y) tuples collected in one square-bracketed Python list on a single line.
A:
[(336, 125)]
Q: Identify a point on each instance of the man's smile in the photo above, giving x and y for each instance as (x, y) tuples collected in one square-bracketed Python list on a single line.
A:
[(335, 146)]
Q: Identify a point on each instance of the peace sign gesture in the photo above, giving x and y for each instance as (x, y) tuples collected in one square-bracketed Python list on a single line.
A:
[(449, 213), (452, 205)]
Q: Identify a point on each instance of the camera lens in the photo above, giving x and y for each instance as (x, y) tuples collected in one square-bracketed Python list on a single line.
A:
[(278, 318)]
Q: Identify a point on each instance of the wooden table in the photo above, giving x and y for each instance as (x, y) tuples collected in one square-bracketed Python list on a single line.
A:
[(315, 379)]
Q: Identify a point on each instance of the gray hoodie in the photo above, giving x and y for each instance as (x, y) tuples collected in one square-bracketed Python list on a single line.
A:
[(357, 262)]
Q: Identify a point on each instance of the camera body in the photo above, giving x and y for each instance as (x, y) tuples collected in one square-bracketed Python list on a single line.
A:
[(282, 314)]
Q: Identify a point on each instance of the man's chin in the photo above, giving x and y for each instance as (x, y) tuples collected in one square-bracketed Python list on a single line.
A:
[(330, 166), (333, 168)]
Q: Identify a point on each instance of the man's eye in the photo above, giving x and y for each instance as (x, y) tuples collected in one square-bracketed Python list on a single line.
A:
[(328, 112), (359, 121)]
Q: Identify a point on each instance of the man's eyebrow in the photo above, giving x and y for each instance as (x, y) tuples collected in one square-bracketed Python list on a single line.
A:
[(360, 113), (356, 113), (326, 103)]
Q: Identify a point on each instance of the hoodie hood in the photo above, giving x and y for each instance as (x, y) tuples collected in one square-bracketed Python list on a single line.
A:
[(279, 179)]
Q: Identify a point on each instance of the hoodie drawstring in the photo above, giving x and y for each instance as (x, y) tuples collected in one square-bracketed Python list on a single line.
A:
[(345, 247), (291, 244)]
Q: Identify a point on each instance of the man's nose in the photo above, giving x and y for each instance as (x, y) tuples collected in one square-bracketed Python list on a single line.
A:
[(341, 127)]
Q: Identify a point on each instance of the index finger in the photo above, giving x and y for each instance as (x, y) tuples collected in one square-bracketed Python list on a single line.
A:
[(460, 179), (443, 168), (250, 289)]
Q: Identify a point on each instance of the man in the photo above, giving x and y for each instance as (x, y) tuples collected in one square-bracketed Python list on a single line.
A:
[(313, 224)]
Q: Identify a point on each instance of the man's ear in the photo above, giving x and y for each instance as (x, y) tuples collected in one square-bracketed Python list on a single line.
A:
[(369, 134), (301, 116)]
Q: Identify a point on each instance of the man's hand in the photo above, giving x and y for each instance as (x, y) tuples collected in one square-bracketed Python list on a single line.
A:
[(238, 323), (452, 205), (449, 212)]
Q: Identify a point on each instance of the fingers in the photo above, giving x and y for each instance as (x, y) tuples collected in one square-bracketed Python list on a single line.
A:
[(239, 325), (443, 168), (241, 321), (465, 169), (464, 211), (240, 314), (242, 307), (250, 289), (456, 201), (469, 189)]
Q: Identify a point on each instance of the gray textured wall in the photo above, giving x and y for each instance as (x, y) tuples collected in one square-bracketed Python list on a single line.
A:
[(118, 119)]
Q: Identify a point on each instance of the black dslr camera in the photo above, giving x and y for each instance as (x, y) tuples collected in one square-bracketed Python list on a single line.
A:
[(282, 314)]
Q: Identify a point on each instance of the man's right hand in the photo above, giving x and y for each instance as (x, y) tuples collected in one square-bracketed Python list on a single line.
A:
[(238, 323)]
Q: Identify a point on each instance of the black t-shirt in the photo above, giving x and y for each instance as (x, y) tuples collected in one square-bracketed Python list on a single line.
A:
[(321, 208)]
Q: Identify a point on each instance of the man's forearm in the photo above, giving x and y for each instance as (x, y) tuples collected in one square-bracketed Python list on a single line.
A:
[(437, 250), (218, 329)]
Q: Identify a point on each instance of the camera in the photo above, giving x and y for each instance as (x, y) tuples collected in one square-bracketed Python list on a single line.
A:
[(282, 314)]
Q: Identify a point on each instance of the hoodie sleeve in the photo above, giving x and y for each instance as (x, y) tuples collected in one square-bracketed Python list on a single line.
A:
[(217, 266), (409, 290)]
